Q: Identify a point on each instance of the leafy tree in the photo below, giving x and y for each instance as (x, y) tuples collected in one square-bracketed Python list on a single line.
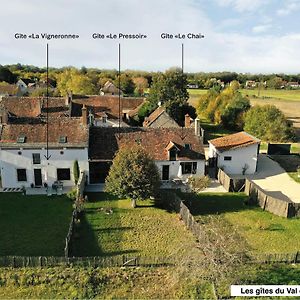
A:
[(275, 82), (141, 83), (133, 174), (268, 123), (178, 110), (76, 171), (126, 84), (6, 75), (170, 86)]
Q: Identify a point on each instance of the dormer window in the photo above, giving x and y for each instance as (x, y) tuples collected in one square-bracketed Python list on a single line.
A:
[(173, 154), (104, 119), (188, 146), (21, 139), (62, 139)]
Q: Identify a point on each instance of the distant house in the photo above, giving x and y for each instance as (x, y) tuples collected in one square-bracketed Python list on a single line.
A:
[(235, 153), (159, 118), (293, 84), (23, 84), (9, 90), (110, 89), (177, 152), (192, 86), (251, 84), (103, 111)]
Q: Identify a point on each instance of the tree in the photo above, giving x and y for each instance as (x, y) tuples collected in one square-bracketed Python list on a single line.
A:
[(268, 123), (178, 110), (141, 83), (126, 84), (76, 171), (275, 82), (133, 174), (6, 75)]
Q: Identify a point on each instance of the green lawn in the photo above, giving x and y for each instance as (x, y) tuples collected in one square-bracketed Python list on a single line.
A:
[(145, 230), (33, 225), (290, 95), (263, 231)]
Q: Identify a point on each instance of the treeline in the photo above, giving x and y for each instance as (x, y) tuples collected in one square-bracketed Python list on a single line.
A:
[(228, 108), (91, 80)]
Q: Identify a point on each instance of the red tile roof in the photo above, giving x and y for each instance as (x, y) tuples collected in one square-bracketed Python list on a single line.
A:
[(72, 128), (233, 141), (104, 142), (108, 104)]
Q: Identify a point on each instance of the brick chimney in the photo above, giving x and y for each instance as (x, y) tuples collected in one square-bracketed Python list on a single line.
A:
[(187, 121), (3, 116), (84, 115), (197, 127), (68, 98)]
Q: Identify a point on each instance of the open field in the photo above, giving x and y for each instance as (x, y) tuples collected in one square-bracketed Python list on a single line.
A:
[(145, 230), (100, 283), (282, 95), (263, 231), (33, 225)]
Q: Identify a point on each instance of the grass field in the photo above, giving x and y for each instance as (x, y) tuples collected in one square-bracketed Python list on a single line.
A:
[(283, 95), (33, 225), (263, 231), (145, 230)]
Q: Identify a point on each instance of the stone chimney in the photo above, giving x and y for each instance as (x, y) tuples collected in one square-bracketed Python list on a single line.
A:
[(197, 127), (68, 98), (84, 115), (187, 121)]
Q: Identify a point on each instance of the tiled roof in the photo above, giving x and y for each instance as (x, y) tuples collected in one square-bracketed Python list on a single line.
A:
[(104, 142), (153, 116), (108, 104), (72, 128), (9, 89), (233, 141), (29, 107)]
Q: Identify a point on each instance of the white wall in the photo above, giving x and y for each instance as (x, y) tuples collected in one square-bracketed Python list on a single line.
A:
[(239, 157), (174, 168), (10, 161)]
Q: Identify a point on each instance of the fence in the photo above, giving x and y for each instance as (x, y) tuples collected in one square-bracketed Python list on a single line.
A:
[(274, 205), (97, 261), (75, 213)]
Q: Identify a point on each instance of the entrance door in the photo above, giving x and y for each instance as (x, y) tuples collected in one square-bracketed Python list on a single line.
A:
[(37, 177), (165, 172)]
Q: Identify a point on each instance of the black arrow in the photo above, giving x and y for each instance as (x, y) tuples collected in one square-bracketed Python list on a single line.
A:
[(47, 156)]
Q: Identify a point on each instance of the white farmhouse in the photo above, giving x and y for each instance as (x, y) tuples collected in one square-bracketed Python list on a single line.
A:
[(235, 153), (23, 150)]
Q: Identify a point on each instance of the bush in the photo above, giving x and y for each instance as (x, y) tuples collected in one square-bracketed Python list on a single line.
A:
[(72, 194), (199, 183)]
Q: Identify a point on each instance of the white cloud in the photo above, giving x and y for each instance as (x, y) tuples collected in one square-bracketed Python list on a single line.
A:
[(261, 28), (243, 5), (289, 7)]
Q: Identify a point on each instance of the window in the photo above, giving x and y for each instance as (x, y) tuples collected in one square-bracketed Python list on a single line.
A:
[(173, 154), (21, 139), (63, 174), (187, 146), (227, 157), (36, 158), (21, 175), (189, 167), (62, 139), (104, 119)]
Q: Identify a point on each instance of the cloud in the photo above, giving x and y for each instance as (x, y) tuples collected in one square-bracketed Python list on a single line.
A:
[(243, 5), (261, 28), (289, 7)]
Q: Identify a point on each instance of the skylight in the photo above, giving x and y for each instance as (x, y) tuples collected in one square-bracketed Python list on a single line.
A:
[(21, 139)]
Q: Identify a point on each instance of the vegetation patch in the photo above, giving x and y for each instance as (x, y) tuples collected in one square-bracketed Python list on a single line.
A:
[(263, 231), (112, 227), (33, 225)]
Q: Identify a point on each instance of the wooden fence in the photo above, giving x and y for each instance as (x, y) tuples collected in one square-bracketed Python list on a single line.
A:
[(97, 261), (274, 205)]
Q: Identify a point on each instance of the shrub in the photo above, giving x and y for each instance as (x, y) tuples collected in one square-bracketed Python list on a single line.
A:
[(199, 183)]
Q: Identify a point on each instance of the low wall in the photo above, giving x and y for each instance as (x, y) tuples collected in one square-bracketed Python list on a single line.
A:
[(230, 184), (274, 205)]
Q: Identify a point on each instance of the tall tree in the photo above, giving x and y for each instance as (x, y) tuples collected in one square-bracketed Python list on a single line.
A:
[(133, 174)]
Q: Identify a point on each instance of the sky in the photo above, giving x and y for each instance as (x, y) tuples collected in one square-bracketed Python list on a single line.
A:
[(248, 36)]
